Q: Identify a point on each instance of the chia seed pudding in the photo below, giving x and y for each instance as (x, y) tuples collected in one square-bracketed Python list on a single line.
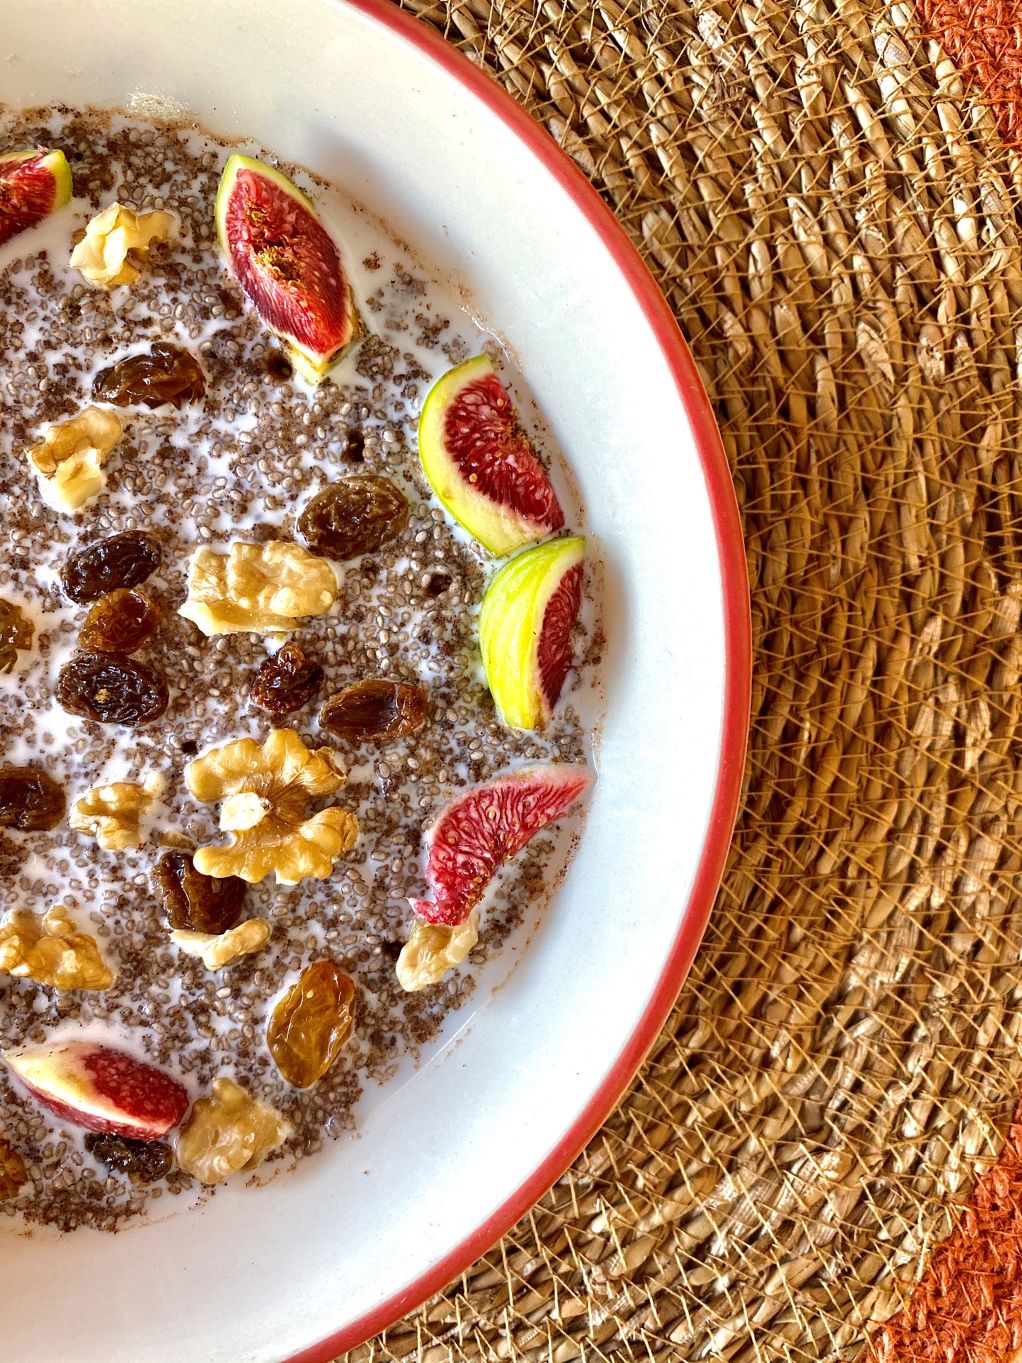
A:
[(239, 464)]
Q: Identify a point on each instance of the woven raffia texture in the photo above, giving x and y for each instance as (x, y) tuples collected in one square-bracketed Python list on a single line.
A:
[(834, 221)]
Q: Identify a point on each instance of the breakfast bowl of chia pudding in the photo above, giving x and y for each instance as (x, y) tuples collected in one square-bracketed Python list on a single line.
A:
[(373, 673)]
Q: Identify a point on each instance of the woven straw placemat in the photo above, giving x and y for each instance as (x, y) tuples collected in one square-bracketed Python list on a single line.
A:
[(832, 214)]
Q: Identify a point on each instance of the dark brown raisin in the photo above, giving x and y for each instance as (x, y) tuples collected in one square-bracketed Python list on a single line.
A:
[(29, 800), (194, 902), (111, 688), (287, 681), (16, 634), (166, 374), (437, 584), (120, 622), (376, 709), (142, 1161), (358, 515), (355, 447), (278, 366), (123, 560)]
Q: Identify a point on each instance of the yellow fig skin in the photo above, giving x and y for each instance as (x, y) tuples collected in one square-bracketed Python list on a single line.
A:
[(58, 167), (55, 163), (499, 529), (510, 624), (313, 368)]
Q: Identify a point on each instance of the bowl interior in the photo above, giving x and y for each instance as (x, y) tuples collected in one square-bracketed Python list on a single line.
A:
[(260, 1274)]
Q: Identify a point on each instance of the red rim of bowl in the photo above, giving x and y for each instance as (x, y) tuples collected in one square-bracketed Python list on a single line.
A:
[(737, 686)]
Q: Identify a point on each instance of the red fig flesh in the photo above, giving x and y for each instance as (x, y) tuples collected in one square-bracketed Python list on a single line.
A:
[(486, 826), (480, 462), (32, 185), (102, 1088), (287, 263)]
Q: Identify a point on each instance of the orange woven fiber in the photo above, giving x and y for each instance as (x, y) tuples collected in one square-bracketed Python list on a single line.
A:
[(967, 1308), (984, 39)]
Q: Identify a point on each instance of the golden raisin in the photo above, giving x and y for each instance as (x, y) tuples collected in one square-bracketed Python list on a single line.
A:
[(375, 708), (167, 374), (311, 1023), (120, 622), (15, 634)]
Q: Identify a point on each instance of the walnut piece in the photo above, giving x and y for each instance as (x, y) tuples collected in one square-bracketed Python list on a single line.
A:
[(265, 790), (113, 814), (219, 949), (115, 239), (13, 1174), (228, 1133), (51, 950), (432, 950), (257, 588), (176, 840), (69, 459)]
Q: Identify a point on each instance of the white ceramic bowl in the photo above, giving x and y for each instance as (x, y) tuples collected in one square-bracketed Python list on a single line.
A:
[(321, 1258)]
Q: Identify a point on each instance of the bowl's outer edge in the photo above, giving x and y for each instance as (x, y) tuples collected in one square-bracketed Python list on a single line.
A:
[(737, 683)]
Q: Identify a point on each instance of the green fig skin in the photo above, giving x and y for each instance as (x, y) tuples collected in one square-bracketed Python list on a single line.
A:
[(511, 624)]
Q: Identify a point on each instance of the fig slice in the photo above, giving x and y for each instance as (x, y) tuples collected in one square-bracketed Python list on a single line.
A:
[(525, 630), (287, 263), (480, 462), (33, 184), (484, 827), (101, 1088)]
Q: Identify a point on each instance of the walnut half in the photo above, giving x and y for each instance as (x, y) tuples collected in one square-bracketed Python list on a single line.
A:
[(219, 949), (69, 459), (257, 588), (51, 950), (264, 791), (228, 1133), (432, 950)]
